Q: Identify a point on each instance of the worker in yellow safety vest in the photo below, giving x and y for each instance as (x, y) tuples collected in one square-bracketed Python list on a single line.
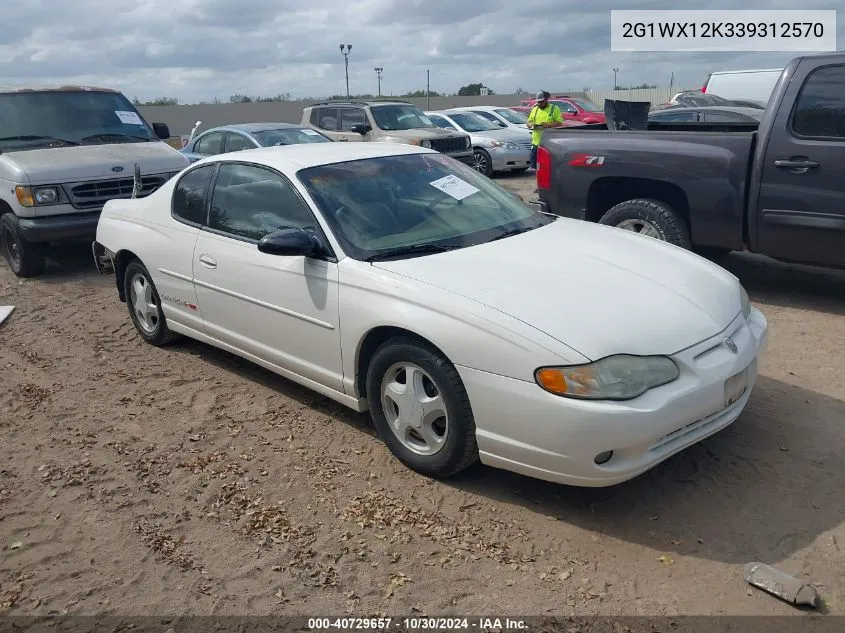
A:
[(543, 115)]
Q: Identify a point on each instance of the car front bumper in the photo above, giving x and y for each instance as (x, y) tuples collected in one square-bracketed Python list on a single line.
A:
[(507, 159), (467, 158), (522, 428), (69, 227)]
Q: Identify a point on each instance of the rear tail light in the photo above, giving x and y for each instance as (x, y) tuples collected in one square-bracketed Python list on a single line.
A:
[(544, 168)]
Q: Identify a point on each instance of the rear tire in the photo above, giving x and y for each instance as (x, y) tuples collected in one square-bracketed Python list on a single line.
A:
[(421, 409), (145, 305), (26, 259), (652, 218)]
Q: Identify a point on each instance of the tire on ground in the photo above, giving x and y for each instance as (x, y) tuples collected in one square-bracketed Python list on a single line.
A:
[(161, 335), (666, 221), (460, 449), (26, 259)]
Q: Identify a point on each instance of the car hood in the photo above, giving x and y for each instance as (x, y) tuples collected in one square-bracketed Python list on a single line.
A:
[(94, 162), (505, 134), (425, 133), (597, 289)]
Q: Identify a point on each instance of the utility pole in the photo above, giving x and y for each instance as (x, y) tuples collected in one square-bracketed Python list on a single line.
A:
[(427, 90), (378, 74), (345, 52), (615, 83)]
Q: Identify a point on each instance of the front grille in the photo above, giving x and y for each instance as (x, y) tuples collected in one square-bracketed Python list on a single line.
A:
[(527, 145), (89, 195), (446, 145)]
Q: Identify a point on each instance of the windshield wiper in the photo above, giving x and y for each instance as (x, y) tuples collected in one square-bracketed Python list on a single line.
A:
[(114, 135), (36, 137), (512, 232), (414, 249)]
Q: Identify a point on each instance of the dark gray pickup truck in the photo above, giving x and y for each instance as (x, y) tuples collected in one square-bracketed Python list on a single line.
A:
[(775, 188)]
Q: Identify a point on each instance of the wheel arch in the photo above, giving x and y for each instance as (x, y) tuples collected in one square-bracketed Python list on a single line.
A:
[(122, 259), (374, 339), (606, 193)]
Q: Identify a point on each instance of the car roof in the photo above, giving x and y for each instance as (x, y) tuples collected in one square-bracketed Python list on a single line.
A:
[(254, 127), (54, 88), (339, 102), (720, 108), (295, 157), (478, 107)]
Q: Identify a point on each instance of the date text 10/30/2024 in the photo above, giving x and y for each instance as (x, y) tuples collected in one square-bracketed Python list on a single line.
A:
[(417, 624)]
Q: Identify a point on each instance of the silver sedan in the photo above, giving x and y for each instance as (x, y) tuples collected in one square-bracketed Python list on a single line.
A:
[(494, 148)]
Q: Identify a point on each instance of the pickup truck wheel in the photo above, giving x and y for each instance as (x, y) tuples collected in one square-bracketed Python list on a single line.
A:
[(26, 259), (145, 305), (649, 217), (481, 162)]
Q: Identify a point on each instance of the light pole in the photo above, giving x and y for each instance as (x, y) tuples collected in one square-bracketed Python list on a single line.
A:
[(378, 74), (345, 49), (615, 84)]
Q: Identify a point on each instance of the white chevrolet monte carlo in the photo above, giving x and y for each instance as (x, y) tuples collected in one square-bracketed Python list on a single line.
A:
[(394, 279)]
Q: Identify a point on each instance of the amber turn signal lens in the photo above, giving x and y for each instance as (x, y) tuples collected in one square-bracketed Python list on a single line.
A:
[(552, 380), (24, 195)]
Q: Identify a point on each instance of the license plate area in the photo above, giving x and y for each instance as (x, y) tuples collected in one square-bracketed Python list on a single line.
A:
[(735, 387)]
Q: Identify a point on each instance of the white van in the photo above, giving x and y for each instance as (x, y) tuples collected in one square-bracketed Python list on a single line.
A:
[(752, 85), (65, 151)]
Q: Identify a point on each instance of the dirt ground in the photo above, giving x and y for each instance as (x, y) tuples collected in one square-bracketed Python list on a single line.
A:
[(136, 480)]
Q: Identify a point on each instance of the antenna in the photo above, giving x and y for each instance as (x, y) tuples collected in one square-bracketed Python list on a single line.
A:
[(137, 185), (194, 130)]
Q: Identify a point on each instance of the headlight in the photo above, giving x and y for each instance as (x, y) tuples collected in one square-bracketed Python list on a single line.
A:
[(745, 302), (620, 377), (426, 144), (46, 195), (505, 144), (29, 196)]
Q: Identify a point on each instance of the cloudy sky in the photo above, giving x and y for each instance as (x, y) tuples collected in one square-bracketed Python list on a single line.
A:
[(200, 49)]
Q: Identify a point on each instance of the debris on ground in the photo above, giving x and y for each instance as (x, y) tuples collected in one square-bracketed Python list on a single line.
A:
[(781, 584), (5, 312)]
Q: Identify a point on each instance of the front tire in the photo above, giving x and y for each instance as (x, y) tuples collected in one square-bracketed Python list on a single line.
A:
[(653, 218), (481, 162), (26, 259), (420, 408), (145, 305)]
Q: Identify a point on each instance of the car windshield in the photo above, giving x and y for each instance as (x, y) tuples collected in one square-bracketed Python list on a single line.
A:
[(400, 117), (512, 116), (586, 106), (376, 206), (289, 136), (472, 122), (58, 118)]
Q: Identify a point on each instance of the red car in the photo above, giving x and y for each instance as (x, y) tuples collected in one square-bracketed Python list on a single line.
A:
[(572, 109)]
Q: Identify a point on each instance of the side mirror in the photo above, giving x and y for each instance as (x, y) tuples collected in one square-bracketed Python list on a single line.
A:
[(361, 129), (161, 130), (501, 124), (289, 242)]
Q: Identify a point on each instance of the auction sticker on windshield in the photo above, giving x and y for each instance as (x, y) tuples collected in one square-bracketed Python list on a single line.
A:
[(310, 132), (129, 118), (454, 186)]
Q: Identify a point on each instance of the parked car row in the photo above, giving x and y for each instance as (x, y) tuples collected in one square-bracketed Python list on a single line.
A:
[(67, 150)]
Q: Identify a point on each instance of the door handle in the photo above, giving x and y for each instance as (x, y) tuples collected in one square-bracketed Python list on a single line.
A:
[(208, 261), (802, 164)]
